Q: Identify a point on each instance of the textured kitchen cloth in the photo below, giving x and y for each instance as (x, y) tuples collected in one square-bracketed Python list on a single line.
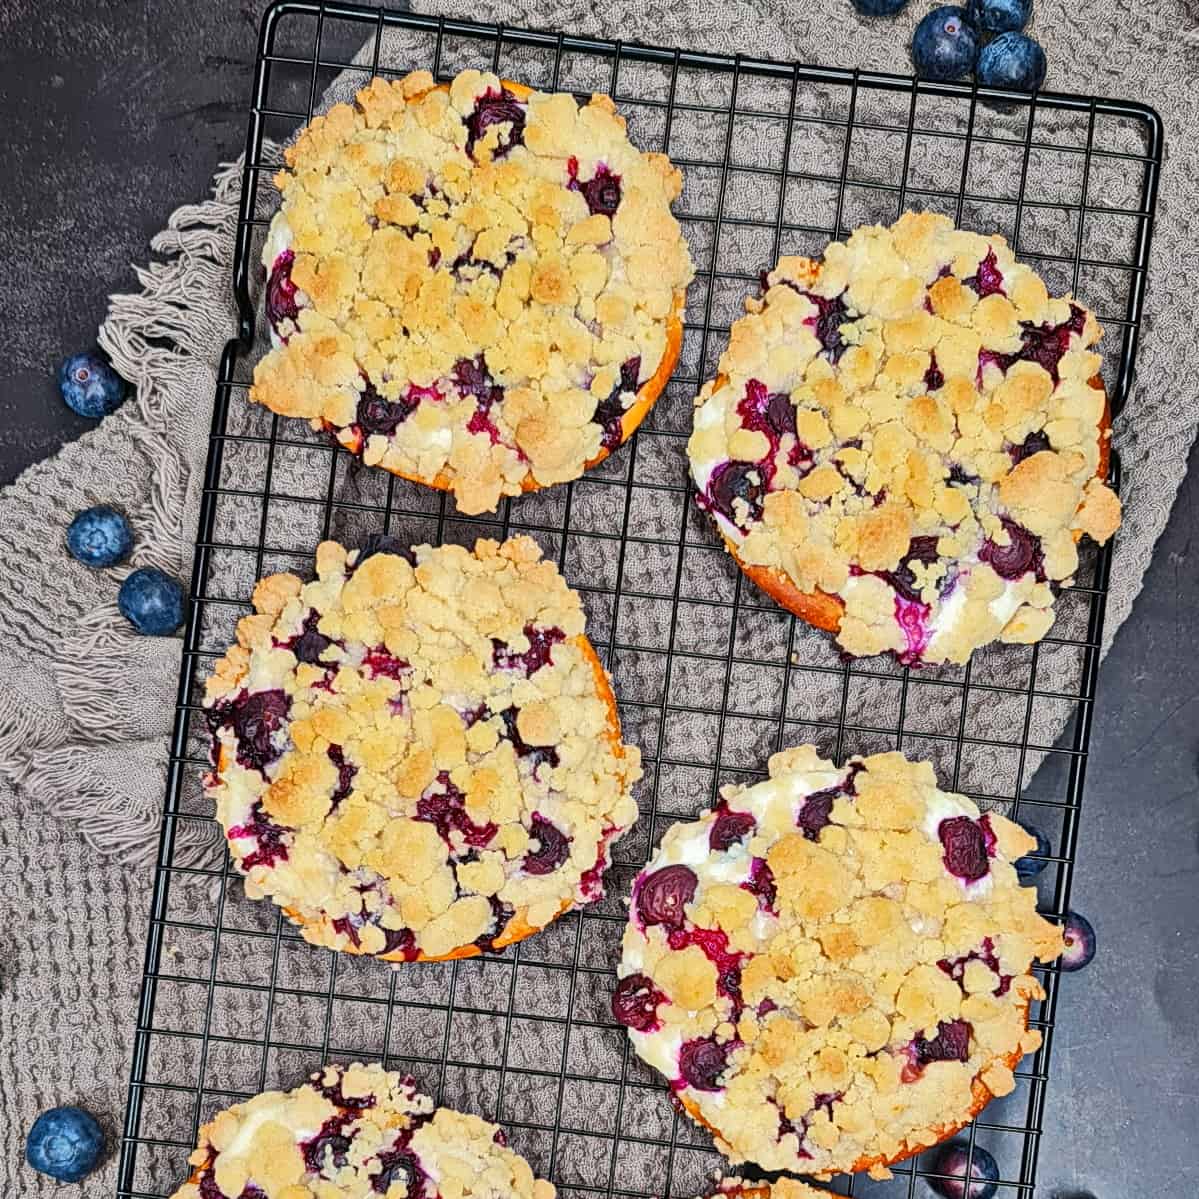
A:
[(86, 706)]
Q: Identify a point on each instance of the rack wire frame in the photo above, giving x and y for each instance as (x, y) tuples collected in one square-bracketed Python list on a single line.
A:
[(523, 1037)]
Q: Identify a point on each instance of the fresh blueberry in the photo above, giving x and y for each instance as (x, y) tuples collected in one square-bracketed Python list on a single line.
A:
[(1029, 866), (90, 386), (152, 602), (953, 1160), (99, 537), (944, 45), (1014, 61), (998, 16), (65, 1143), (1080, 942), (880, 8)]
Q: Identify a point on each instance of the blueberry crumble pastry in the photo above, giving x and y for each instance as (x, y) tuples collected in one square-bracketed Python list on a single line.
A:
[(417, 755), (355, 1131), (905, 441), (781, 1188), (831, 968), (474, 285)]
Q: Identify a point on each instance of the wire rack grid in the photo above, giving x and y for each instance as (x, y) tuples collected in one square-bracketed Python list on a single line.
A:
[(711, 676)]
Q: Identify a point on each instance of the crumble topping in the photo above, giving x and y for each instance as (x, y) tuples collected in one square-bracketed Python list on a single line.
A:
[(831, 968), (914, 426), (355, 1131), (473, 285), (781, 1188), (418, 754)]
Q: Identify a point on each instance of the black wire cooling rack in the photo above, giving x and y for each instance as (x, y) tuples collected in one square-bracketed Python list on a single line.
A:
[(712, 677)]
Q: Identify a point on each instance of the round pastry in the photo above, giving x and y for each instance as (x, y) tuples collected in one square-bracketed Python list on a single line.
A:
[(831, 968), (354, 1131), (475, 286), (781, 1188), (906, 439), (417, 755)]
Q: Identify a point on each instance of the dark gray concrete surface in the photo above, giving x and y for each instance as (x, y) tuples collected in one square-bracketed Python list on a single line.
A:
[(116, 111)]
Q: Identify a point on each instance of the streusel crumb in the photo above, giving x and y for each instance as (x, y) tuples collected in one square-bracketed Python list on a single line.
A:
[(476, 285)]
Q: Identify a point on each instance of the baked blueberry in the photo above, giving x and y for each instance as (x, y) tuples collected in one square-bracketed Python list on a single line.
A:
[(66, 1143), (1080, 942), (1029, 866), (152, 602), (635, 1002), (1014, 61), (664, 894), (90, 386), (99, 537), (944, 45), (967, 1174), (999, 16)]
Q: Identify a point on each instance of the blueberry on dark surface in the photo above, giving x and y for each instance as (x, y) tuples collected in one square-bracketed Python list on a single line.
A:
[(880, 8), (90, 386), (662, 895), (151, 601), (702, 1062), (496, 108), (1014, 61), (731, 481), (1014, 560), (998, 16), (281, 304), (383, 543), (635, 1002), (965, 848), (729, 828), (99, 537), (944, 45), (951, 1044), (377, 415), (968, 1175), (66, 1143), (1080, 942), (1029, 866), (553, 846)]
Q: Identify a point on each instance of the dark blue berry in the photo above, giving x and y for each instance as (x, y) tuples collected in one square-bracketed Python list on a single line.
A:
[(953, 1160), (65, 1143), (1080, 942), (1029, 866), (880, 8), (90, 386), (998, 16), (99, 537), (944, 45), (152, 602), (1014, 61)]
